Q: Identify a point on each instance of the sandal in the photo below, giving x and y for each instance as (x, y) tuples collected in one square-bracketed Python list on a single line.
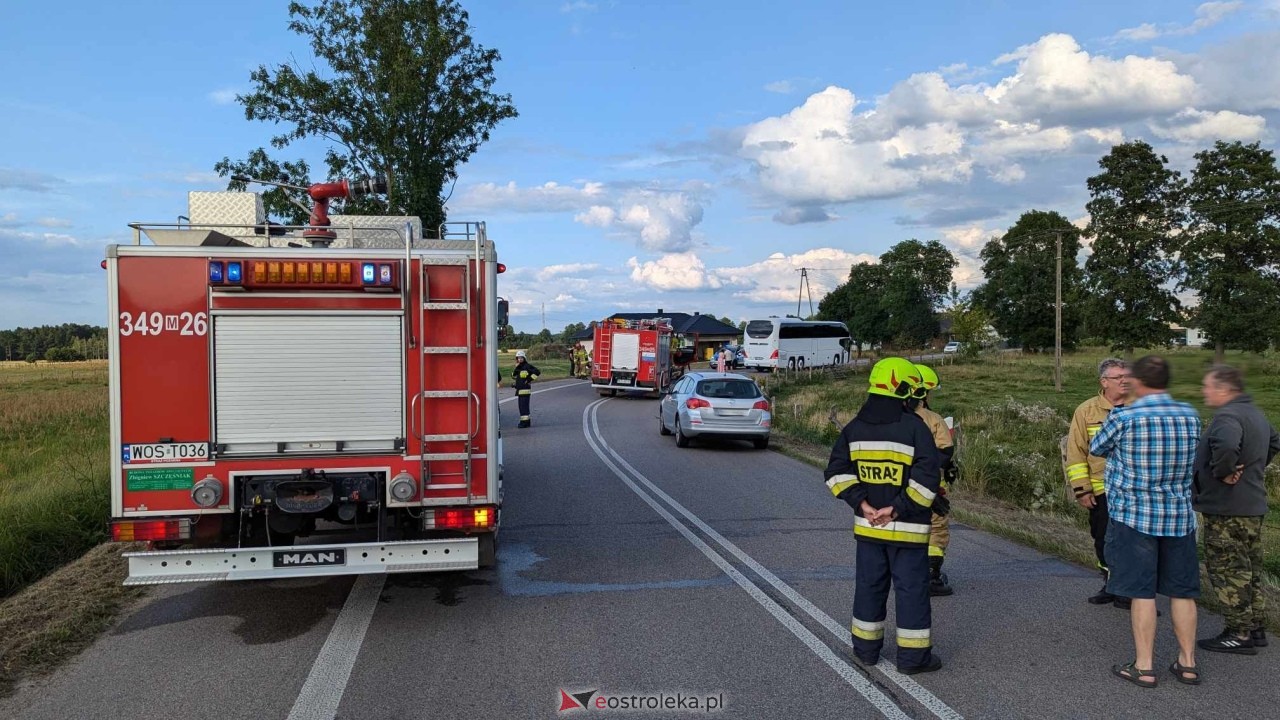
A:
[(1184, 674), (1131, 673)]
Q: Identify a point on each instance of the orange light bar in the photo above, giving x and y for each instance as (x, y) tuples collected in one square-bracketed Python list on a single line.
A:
[(331, 272), (259, 272), (304, 272), (317, 272), (273, 272), (344, 273), (286, 272)]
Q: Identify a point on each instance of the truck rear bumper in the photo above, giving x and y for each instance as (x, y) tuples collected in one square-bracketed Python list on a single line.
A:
[(264, 563)]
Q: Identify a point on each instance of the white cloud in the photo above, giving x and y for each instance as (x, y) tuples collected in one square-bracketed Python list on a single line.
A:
[(1057, 82), (1203, 127), (577, 6), (559, 271), (1207, 15), (10, 220), (674, 271), (777, 278), (53, 222), (658, 221), (783, 87), (1239, 74), (225, 96), (822, 153), (548, 197)]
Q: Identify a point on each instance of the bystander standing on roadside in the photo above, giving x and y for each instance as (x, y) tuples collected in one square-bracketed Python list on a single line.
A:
[(1231, 493), (1150, 448)]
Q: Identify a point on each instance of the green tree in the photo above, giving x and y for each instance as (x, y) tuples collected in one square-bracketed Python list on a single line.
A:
[(1019, 287), (856, 303), (917, 276), (1134, 219), (1232, 247), (398, 88)]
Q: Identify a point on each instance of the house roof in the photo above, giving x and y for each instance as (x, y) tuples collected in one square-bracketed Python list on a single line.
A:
[(684, 323)]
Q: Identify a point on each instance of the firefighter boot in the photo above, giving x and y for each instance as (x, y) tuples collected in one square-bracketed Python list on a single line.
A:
[(1103, 597), (937, 579)]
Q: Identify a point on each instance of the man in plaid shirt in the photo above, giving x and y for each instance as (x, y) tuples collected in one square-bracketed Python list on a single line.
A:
[(1150, 447)]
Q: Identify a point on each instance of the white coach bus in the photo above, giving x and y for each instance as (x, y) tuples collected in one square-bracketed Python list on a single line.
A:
[(796, 344)]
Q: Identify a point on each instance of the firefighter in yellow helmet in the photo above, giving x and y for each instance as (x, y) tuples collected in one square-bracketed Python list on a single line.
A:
[(885, 466), (940, 535)]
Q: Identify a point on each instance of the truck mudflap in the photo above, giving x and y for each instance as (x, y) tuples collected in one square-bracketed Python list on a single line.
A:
[(265, 563)]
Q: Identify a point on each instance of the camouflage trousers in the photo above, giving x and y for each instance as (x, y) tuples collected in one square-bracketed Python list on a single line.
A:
[(1233, 559)]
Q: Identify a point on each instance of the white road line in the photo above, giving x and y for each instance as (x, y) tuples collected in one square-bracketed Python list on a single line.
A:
[(536, 392), (322, 692), (917, 691), (851, 676)]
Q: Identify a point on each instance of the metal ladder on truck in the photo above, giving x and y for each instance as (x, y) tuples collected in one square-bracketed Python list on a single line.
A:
[(430, 308)]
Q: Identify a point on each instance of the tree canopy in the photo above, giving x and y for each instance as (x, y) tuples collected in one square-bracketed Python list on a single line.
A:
[(1019, 288), (397, 88), (1135, 217), (1232, 247)]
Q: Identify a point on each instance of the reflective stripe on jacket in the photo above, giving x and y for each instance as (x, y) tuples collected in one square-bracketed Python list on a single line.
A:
[(1084, 471)]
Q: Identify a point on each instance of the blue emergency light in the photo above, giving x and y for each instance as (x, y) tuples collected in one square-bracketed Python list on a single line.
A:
[(368, 274), (384, 274), (233, 272), (215, 272)]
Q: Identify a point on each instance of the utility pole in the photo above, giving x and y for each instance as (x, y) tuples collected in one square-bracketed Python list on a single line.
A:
[(1057, 320), (804, 286)]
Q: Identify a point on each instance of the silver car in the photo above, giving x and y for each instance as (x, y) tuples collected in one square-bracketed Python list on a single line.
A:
[(724, 405)]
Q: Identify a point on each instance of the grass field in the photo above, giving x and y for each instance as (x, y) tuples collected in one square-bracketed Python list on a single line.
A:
[(1011, 420), (54, 493)]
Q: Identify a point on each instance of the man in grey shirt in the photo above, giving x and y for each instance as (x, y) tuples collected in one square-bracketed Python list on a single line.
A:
[(1231, 460)]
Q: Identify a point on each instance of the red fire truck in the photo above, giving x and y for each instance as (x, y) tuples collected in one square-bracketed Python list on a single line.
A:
[(635, 355), (300, 401)]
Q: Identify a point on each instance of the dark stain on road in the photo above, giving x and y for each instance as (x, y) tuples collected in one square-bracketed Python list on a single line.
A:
[(269, 611), (447, 585)]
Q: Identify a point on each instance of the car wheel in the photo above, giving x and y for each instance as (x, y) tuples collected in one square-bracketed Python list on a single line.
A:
[(682, 440), (799, 363), (791, 364), (835, 360), (761, 443), (662, 426)]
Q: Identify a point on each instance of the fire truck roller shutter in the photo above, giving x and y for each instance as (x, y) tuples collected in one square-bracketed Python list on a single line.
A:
[(302, 383), (626, 351)]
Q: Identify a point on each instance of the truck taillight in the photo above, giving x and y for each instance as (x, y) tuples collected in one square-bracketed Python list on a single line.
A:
[(694, 403), (761, 405), (135, 530), (464, 518), (773, 355)]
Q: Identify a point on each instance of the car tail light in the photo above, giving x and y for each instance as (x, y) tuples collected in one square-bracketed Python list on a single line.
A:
[(761, 405), (134, 530), (694, 403), (773, 355)]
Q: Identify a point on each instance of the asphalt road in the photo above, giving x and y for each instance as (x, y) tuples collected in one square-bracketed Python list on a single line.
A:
[(630, 567)]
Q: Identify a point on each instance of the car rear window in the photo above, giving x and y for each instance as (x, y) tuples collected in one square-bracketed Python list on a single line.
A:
[(730, 389)]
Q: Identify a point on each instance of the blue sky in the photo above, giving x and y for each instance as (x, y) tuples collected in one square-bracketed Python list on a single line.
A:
[(682, 155)]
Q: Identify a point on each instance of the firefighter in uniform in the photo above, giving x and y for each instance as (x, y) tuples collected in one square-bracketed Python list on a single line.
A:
[(885, 466), (1084, 471), (524, 374), (940, 535), (580, 356)]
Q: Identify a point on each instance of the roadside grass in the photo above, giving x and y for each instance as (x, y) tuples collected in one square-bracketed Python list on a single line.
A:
[(52, 620), (1011, 420), (552, 368), (54, 467)]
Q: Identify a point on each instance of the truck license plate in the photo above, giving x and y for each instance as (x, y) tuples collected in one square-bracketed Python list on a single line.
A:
[(166, 452)]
